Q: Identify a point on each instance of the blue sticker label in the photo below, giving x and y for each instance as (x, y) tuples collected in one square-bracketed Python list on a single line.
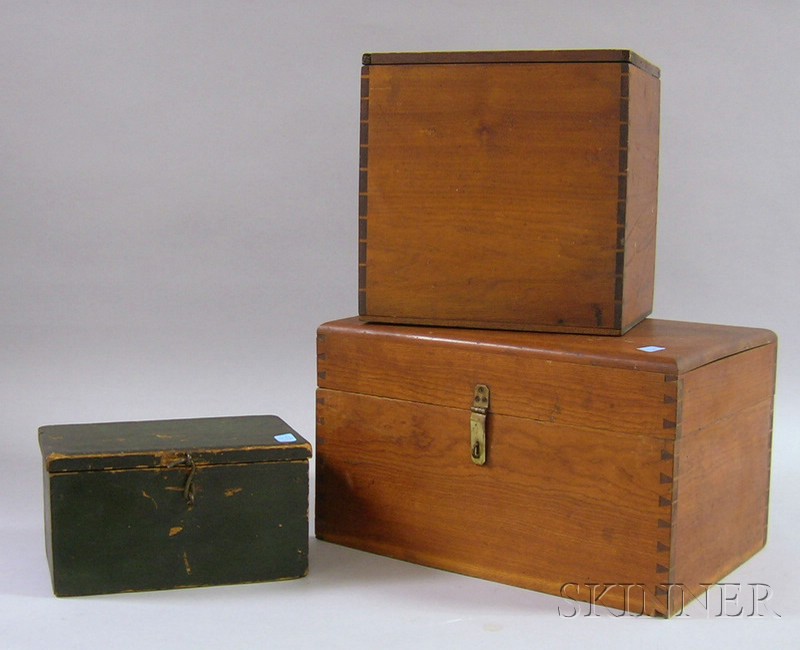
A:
[(286, 437), (651, 348)]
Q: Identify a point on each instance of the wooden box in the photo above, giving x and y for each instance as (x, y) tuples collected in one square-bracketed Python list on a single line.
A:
[(181, 503), (508, 190), (550, 461)]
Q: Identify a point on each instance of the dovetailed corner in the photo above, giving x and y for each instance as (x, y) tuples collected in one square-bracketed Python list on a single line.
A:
[(664, 502), (661, 547), (624, 82), (623, 110), (664, 478), (663, 523), (666, 455), (362, 275), (623, 135), (669, 424), (660, 568)]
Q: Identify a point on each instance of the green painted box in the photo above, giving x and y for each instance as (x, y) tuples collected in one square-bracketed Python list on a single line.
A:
[(136, 506)]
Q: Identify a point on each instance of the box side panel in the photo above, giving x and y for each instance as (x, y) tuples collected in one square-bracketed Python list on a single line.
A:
[(722, 499), (48, 527), (639, 175), (439, 371), (716, 390), (132, 530), (555, 508), (363, 191), (491, 195), (723, 466)]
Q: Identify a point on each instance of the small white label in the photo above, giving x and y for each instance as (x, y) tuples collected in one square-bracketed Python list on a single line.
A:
[(286, 437), (651, 348)]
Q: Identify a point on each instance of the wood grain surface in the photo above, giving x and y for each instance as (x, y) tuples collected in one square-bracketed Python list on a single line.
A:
[(648, 469), (503, 196)]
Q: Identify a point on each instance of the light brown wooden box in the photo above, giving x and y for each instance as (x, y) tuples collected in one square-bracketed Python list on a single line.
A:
[(605, 464), (509, 190)]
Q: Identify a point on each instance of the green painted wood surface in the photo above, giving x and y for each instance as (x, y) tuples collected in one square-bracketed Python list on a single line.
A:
[(132, 530), (159, 443), (117, 516)]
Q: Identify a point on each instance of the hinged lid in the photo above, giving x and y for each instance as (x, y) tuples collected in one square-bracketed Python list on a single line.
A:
[(164, 443), (660, 346), (628, 384), (513, 56)]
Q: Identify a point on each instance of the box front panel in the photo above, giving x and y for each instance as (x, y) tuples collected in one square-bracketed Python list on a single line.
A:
[(490, 194), (555, 508), (132, 530)]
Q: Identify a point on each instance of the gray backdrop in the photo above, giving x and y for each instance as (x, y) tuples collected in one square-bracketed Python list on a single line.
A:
[(178, 213)]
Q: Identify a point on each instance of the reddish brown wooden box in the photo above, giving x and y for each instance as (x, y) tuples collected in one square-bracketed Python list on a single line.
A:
[(509, 190), (605, 463)]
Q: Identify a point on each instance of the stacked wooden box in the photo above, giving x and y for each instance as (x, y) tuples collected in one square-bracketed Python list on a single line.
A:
[(502, 407)]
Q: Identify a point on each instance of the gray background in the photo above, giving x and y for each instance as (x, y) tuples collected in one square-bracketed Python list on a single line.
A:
[(178, 213)]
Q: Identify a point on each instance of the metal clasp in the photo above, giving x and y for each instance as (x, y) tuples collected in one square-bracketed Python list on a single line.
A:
[(188, 486), (477, 424)]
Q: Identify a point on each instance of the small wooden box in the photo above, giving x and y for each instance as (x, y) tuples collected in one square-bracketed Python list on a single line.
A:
[(550, 461), (508, 190), (137, 506)]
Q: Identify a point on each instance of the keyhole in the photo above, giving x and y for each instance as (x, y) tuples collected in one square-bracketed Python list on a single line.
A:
[(476, 450)]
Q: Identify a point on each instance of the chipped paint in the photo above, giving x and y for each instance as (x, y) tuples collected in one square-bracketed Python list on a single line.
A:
[(186, 564), (232, 491), (175, 530), (147, 496)]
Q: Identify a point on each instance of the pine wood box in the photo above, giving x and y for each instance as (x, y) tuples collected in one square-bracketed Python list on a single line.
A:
[(508, 190), (135, 506), (638, 463)]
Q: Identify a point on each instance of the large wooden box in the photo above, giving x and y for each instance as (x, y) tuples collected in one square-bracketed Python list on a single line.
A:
[(509, 190), (638, 463), (181, 503)]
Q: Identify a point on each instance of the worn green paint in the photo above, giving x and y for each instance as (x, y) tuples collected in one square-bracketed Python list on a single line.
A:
[(131, 529), (119, 445)]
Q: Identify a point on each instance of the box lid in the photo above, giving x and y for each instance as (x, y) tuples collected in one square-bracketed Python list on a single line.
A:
[(628, 384), (513, 56), (660, 346), (164, 443)]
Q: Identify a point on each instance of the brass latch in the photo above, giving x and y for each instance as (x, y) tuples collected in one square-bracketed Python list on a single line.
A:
[(477, 424)]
